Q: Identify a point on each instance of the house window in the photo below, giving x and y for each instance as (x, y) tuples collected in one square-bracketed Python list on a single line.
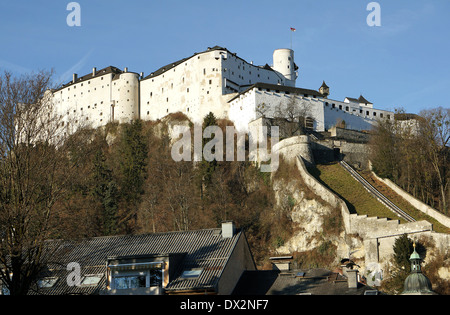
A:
[(91, 280), (47, 282), (130, 282), (191, 274)]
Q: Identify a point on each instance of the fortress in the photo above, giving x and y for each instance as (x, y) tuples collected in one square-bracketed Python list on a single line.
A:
[(215, 80)]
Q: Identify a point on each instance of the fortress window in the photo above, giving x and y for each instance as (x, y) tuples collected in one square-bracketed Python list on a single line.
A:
[(346, 108), (210, 81), (204, 71), (187, 90), (367, 113), (381, 115), (101, 114), (167, 100), (340, 106), (374, 113), (333, 105), (148, 113), (360, 111), (89, 82), (389, 116)]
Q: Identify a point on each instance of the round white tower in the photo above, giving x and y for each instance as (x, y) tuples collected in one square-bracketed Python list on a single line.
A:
[(283, 62)]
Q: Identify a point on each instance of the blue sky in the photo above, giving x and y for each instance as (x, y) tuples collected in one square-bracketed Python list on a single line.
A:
[(402, 63)]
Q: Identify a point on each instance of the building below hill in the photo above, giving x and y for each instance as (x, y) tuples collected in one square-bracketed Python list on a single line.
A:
[(209, 261)]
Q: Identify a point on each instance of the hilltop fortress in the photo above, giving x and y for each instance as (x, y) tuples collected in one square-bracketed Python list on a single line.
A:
[(214, 80)]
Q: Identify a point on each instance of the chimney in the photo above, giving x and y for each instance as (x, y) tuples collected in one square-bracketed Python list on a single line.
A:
[(94, 70), (74, 77), (282, 263), (352, 278), (227, 229), (142, 75), (125, 69)]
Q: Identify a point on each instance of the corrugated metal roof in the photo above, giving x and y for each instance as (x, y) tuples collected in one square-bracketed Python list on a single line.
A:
[(205, 249)]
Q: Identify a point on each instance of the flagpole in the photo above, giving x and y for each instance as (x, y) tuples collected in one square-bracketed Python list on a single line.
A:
[(291, 39), (292, 30)]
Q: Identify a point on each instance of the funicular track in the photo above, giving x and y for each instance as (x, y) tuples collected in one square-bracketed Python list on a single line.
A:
[(372, 190)]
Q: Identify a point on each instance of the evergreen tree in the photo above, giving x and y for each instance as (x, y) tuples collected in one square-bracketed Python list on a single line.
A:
[(105, 190), (403, 247), (133, 153), (207, 168)]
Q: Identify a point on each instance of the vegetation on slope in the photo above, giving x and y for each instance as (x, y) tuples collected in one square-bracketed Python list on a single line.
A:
[(402, 203), (358, 200)]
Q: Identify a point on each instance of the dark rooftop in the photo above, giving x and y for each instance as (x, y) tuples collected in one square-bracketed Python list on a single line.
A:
[(295, 282), (205, 249), (290, 89)]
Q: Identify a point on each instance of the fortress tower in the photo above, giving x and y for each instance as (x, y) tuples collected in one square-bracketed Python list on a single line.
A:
[(283, 62)]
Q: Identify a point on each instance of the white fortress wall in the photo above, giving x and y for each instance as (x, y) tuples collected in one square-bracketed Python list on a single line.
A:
[(270, 102), (89, 101), (125, 98), (192, 87), (245, 74), (355, 116), (243, 111)]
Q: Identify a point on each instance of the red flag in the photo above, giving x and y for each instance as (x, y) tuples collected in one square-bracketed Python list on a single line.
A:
[(293, 29)]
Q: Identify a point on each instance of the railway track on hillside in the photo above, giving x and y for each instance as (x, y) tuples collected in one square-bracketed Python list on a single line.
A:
[(372, 190)]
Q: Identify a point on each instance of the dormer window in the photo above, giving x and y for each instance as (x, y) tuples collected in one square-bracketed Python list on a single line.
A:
[(132, 274)]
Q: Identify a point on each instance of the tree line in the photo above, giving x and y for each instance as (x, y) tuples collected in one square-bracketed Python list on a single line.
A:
[(413, 151)]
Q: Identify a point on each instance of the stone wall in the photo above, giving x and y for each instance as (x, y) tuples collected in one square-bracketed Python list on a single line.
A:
[(416, 203)]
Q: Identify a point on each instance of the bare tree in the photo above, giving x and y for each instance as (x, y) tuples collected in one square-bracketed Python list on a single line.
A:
[(435, 132), (292, 116), (34, 167)]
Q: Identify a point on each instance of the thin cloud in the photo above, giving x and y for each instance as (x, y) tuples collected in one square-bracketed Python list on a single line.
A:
[(6, 65), (66, 76)]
